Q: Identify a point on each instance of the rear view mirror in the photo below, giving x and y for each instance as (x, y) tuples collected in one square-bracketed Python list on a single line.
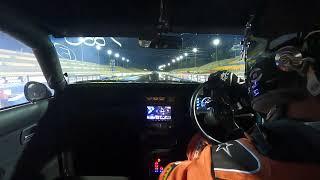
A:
[(35, 91), (162, 42)]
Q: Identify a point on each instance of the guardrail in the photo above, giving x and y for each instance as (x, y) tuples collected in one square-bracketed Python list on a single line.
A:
[(193, 77), (7, 81), (197, 77)]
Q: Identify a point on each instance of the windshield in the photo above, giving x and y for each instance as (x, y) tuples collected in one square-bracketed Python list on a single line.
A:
[(122, 59)]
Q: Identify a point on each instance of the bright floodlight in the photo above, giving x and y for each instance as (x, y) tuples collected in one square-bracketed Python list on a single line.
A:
[(117, 55), (109, 52), (181, 57), (177, 58), (123, 58), (98, 47), (185, 54), (194, 50), (168, 64), (216, 42), (81, 39), (128, 60), (173, 60)]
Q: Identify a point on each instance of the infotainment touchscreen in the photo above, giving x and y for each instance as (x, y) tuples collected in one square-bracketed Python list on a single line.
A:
[(159, 113)]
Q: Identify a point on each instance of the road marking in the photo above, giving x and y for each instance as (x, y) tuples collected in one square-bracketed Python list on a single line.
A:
[(19, 64), (4, 56), (19, 96), (26, 58)]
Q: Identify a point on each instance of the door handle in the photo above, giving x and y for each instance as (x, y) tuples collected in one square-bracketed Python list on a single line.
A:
[(27, 134)]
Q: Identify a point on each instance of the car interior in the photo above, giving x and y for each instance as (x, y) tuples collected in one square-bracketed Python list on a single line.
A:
[(106, 129)]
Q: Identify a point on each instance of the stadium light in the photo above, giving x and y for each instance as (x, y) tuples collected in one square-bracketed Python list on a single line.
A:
[(194, 50), (173, 60), (128, 60), (168, 64), (98, 47), (185, 54), (123, 58), (116, 55), (109, 52), (177, 58), (181, 57), (216, 42)]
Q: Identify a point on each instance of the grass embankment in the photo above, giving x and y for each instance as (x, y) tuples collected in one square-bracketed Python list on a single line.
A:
[(86, 68), (233, 64)]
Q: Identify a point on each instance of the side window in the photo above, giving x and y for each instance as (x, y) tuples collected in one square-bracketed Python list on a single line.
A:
[(18, 65)]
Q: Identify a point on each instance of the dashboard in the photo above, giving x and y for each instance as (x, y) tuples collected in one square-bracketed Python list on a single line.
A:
[(147, 125)]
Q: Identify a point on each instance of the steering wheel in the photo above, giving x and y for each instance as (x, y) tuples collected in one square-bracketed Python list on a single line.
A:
[(214, 107)]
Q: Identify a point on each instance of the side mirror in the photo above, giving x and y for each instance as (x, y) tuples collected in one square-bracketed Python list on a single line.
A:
[(35, 91), (162, 42)]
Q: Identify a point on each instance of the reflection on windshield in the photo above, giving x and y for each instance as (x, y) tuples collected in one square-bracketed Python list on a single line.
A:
[(122, 59)]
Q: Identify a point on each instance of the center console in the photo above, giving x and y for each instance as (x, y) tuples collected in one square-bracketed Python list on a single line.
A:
[(159, 136)]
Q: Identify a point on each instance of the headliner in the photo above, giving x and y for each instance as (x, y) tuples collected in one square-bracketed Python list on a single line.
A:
[(128, 18)]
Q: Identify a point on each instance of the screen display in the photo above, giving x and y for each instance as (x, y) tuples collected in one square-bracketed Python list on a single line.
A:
[(159, 113), (202, 103)]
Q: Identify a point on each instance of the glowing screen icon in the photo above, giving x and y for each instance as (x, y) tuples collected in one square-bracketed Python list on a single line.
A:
[(159, 113)]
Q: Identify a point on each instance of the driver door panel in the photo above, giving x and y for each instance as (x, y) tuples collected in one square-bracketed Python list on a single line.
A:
[(17, 127)]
